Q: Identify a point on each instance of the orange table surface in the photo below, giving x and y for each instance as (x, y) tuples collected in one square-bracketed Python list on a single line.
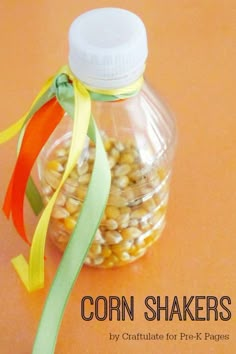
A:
[(192, 63)]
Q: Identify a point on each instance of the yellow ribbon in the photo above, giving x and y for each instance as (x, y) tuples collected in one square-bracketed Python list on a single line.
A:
[(32, 274), (127, 90), (14, 129)]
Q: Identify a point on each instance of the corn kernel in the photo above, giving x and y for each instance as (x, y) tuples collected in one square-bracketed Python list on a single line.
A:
[(138, 213), (130, 233), (83, 169), (126, 158), (72, 205), (117, 201), (54, 165), (95, 249), (52, 178), (112, 212), (70, 223), (106, 251), (107, 144), (121, 182), (113, 237), (59, 212), (149, 204), (122, 170), (111, 224)]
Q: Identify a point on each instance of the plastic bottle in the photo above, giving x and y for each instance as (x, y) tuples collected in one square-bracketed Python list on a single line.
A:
[(108, 50)]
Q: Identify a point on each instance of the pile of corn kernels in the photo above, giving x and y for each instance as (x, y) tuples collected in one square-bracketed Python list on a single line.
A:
[(135, 213)]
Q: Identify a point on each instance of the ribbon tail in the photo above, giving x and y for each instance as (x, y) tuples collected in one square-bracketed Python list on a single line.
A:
[(76, 250), (34, 197), (8, 199), (10, 132), (36, 134)]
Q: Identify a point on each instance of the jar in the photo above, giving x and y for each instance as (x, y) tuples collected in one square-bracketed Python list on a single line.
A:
[(108, 50)]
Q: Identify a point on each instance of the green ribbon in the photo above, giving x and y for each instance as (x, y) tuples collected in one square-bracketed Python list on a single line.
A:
[(32, 193), (83, 234), (87, 224)]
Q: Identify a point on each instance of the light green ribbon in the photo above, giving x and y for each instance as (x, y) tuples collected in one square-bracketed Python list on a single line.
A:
[(87, 224)]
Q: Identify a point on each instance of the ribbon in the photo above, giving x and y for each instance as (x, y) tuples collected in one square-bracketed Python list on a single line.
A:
[(76, 250), (74, 98), (36, 134)]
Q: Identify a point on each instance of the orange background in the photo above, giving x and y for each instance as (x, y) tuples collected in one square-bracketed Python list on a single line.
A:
[(192, 62)]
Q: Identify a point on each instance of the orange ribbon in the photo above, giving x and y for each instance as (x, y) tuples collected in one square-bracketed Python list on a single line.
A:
[(37, 132)]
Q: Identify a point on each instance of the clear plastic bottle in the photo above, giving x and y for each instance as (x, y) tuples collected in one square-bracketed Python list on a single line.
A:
[(108, 49)]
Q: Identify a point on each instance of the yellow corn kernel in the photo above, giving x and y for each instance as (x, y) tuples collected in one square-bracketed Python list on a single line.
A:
[(111, 161), (83, 169), (149, 204), (113, 258), (70, 223), (133, 250), (139, 242), (106, 251), (124, 256), (112, 212), (115, 153), (116, 200), (98, 237), (95, 249), (52, 178), (121, 182), (126, 158), (140, 252), (59, 212), (122, 170), (107, 144), (112, 237), (54, 165), (133, 222), (115, 190), (47, 189), (72, 205), (122, 246), (98, 260), (61, 199), (70, 185), (119, 146), (61, 152), (131, 233), (123, 220), (161, 172), (73, 174), (81, 193), (125, 210), (88, 260), (145, 226), (135, 175), (149, 240), (108, 263), (111, 224), (84, 179), (138, 213)]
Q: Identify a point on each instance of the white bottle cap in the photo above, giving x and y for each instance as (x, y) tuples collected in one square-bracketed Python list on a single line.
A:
[(107, 48)]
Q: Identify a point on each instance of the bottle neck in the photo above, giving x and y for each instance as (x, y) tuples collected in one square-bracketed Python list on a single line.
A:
[(106, 83)]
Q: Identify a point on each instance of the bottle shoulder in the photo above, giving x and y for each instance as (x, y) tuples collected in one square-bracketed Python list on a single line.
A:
[(144, 117)]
